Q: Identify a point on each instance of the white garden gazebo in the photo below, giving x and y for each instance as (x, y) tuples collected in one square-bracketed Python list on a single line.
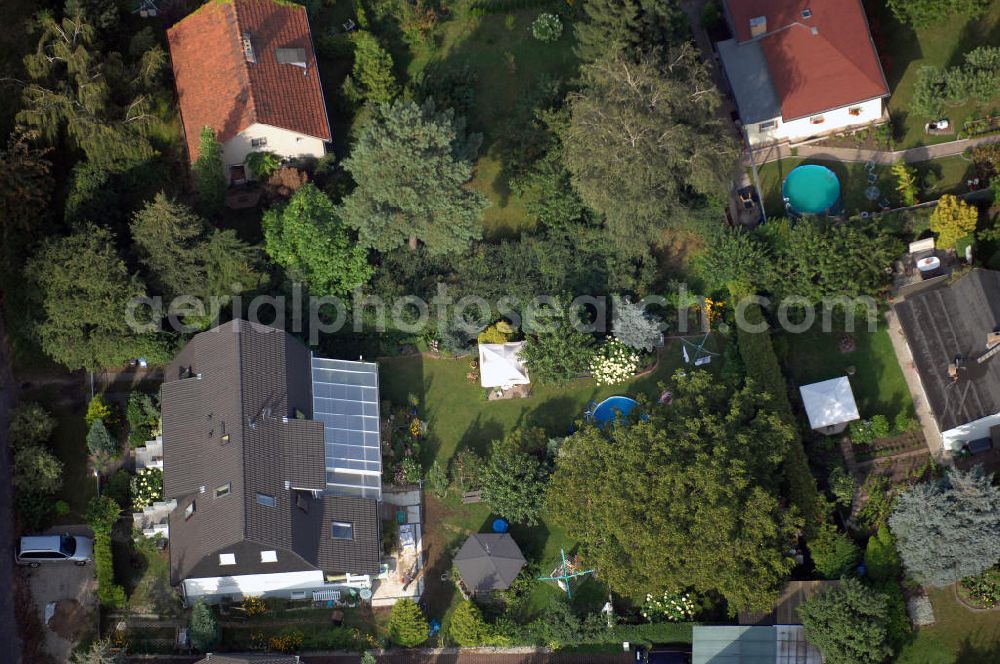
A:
[(830, 405), (500, 365)]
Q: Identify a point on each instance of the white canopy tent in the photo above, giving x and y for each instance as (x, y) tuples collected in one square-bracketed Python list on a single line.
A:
[(500, 365), (830, 404)]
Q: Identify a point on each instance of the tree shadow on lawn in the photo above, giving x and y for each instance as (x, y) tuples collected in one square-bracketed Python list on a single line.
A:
[(896, 42), (969, 653), (479, 436)]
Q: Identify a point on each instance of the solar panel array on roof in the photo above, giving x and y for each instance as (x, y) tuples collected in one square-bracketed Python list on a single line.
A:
[(345, 400)]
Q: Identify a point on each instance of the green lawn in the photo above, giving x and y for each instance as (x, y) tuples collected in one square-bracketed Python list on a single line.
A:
[(904, 50), (944, 176), (458, 417), (879, 386), (960, 636)]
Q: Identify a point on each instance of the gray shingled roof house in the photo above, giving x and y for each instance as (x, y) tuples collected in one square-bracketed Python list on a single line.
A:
[(958, 321), (262, 507), (489, 561)]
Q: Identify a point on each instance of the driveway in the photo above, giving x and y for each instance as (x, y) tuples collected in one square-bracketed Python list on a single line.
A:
[(69, 590)]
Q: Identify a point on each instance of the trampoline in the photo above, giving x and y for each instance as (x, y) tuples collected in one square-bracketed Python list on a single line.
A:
[(811, 189), (609, 409)]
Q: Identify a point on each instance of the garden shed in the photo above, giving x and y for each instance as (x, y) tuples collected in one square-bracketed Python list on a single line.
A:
[(488, 562), (830, 405), (500, 365)]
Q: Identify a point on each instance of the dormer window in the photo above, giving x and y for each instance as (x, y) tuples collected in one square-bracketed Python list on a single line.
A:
[(227, 558), (266, 500), (189, 511), (807, 13), (268, 556), (223, 490)]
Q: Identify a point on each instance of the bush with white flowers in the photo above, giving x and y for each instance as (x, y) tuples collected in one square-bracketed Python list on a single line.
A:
[(547, 27), (147, 487), (614, 363), (670, 607)]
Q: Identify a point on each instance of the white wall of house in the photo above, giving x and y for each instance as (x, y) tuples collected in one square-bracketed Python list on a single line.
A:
[(285, 143), (283, 584), (837, 120), (953, 438)]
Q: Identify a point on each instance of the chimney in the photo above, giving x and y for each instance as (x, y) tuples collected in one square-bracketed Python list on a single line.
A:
[(758, 26)]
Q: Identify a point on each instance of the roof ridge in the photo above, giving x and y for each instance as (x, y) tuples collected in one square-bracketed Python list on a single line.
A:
[(239, 328)]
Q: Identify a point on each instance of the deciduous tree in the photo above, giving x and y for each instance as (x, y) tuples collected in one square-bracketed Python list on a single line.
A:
[(849, 623), (555, 350), (412, 165), (309, 240), (625, 493), (644, 145), (25, 188), (922, 13), (30, 424), (513, 479), (833, 553), (948, 530), (84, 294), (99, 652)]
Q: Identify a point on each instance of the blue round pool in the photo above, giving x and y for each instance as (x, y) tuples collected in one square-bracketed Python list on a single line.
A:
[(811, 189), (611, 408)]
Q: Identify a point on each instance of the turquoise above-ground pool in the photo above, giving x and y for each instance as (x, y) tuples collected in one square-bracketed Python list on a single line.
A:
[(610, 408), (811, 189)]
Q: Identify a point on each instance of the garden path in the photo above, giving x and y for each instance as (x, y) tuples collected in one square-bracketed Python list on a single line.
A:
[(910, 156)]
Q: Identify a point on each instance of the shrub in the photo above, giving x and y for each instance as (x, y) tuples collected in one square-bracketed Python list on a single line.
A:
[(881, 558), (669, 607), (547, 27), (983, 589), (62, 508), (634, 326), (143, 418), (118, 487), (842, 486), (465, 469), (262, 164), (147, 487), (952, 220), (99, 441), (881, 498), (834, 554), (98, 409), (865, 432), (36, 469), (204, 629), (467, 627), (614, 362), (407, 624), (899, 625), (34, 509), (30, 424), (437, 480), (498, 333), (209, 175), (903, 422), (906, 183)]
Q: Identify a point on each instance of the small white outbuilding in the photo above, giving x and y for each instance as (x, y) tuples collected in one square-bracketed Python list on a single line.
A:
[(500, 365), (830, 405)]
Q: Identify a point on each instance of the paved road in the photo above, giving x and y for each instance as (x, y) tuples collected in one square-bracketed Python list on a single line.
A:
[(10, 647), (911, 156)]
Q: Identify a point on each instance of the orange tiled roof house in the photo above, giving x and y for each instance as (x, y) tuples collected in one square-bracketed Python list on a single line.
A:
[(247, 69), (802, 68)]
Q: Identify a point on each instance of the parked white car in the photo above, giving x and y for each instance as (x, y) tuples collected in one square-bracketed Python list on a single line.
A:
[(35, 550)]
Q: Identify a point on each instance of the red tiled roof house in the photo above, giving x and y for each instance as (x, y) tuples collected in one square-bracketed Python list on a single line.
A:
[(802, 68), (247, 69)]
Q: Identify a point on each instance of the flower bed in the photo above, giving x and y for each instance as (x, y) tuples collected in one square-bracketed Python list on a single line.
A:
[(670, 607), (981, 591)]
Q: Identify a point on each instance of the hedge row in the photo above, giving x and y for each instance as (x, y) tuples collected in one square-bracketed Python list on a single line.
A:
[(761, 363), (652, 633), (484, 7), (102, 515)]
